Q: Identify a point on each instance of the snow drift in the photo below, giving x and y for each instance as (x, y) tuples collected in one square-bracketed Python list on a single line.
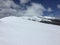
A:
[(20, 31)]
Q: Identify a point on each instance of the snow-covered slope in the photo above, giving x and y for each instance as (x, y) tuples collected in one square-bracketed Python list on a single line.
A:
[(20, 31)]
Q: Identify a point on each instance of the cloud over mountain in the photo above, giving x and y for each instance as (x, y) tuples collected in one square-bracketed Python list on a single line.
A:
[(10, 8)]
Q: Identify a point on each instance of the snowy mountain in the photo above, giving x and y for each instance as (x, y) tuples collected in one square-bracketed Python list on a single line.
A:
[(50, 20), (20, 31), (43, 19)]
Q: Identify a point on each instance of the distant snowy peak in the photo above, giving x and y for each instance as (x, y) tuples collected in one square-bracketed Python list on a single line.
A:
[(48, 20), (43, 19), (40, 18), (49, 17), (33, 18), (16, 19)]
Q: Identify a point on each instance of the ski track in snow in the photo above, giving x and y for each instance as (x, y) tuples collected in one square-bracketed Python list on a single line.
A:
[(20, 31)]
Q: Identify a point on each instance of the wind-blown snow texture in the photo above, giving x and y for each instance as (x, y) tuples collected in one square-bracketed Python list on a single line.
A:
[(20, 31)]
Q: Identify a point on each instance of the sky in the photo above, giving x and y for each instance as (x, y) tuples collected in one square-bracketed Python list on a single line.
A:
[(51, 5), (30, 8)]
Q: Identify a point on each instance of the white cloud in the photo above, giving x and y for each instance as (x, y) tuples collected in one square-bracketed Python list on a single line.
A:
[(58, 6), (35, 10), (49, 9), (5, 8)]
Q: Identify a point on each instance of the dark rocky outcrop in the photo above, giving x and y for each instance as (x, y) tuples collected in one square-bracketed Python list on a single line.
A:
[(53, 21)]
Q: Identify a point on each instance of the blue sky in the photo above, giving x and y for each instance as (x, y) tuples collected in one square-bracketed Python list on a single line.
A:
[(48, 3), (30, 8)]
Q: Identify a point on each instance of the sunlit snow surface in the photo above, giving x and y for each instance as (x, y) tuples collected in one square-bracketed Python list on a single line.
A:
[(20, 31)]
